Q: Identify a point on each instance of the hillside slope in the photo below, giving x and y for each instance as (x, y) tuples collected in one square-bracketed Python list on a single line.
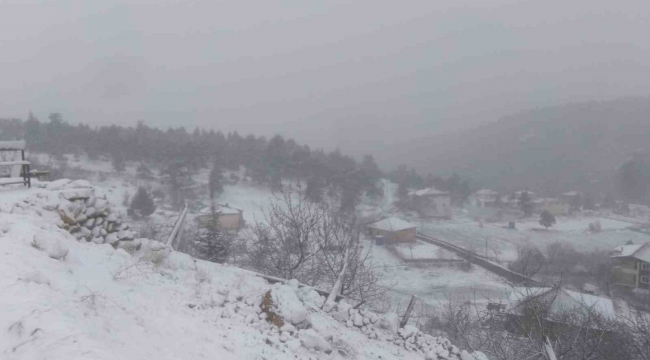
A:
[(548, 150), (68, 299)]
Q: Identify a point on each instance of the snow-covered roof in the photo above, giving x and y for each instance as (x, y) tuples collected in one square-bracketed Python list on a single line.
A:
[(486, 192), (637, 251), (391, 224), (428, 192), (221, 210), (565, 300)]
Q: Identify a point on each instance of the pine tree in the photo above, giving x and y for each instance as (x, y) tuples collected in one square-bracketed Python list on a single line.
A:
[(118, 162), (315, 189), (215, 182), (142, 203), (213, 243), (526, 203), (547, 219)]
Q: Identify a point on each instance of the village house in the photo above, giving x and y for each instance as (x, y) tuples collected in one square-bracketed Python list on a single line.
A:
[(485, 197), (554, 206), (230, 219), (393, 230), (631, 266), (431, 203)]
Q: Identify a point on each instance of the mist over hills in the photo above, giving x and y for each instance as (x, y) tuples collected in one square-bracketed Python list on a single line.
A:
[(549, 150)]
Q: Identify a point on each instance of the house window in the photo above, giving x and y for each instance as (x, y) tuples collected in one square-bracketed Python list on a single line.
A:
[(645, 279), (645, 266)]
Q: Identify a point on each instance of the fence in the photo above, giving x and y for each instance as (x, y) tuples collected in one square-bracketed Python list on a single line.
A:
[(481, 261)]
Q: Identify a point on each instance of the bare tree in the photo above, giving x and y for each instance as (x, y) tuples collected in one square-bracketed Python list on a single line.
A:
[(315, 244)]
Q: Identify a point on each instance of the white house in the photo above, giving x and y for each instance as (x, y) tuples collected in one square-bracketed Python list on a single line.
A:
[(431, 202)]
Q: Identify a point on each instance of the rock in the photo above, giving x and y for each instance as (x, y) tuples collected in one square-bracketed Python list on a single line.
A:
[(78, 184), (408, 331), (66, 215), (288, 305), (310, 339), (54, 247), (293, 344), (103, 232), (390, 322), (358, 320), (90, 202), (288, 328), (77, 194), (58, 184), (86, 233), (90, 223), (341, 315), (51, 205), (130, 246), (125, 235), (99, 221), (111, 238), (97, 240), (96, 231), (81, 218), (91, 211), (101, 205)]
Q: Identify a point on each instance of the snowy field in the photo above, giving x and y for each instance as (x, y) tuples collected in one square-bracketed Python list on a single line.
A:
[(434, 284), (502, 243), (64, 299), (422, 250)]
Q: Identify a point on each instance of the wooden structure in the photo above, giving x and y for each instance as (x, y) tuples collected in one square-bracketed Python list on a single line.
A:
[(631, 266), (230, 219), (393, 230), (19, 172)]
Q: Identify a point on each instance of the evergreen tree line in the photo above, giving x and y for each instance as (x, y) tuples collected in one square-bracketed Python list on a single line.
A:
[(178, 152)]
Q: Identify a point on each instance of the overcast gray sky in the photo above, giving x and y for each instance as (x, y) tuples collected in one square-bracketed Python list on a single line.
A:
[(360, 75)]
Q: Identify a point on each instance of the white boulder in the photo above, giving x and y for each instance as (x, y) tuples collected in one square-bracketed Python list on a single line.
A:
[(54, 247)]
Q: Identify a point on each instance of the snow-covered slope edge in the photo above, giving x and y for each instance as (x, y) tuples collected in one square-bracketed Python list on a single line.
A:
[(69, 299)]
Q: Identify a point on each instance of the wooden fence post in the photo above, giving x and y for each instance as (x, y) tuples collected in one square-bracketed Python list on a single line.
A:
[(407, 315), (549, 349)]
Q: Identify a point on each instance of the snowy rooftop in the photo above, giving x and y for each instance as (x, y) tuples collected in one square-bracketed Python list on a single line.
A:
[(428, 192), (391, 224), (220, 210), (638, 251), (486, 192), (564, 300)]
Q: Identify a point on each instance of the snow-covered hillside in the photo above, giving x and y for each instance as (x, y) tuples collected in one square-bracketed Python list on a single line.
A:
[(64, 298)]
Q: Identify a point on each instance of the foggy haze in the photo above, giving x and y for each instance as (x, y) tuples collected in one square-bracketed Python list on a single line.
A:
[(357, 75)]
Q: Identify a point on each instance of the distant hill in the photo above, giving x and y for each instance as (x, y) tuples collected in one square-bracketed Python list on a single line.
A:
[(549, 150)]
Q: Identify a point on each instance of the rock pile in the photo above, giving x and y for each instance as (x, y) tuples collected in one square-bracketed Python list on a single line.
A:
[(297, 306), (89, 217)]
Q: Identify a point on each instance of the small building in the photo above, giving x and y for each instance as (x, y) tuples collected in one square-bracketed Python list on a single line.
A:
[(431, 202), (631, 266), (554, 206), (486, 197), (230, 219), (570, 196), (393, 230)]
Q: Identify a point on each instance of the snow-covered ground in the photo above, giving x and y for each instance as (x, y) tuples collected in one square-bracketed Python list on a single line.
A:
[(421, 250), (65, 299), (502, 243), (434, 284)]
